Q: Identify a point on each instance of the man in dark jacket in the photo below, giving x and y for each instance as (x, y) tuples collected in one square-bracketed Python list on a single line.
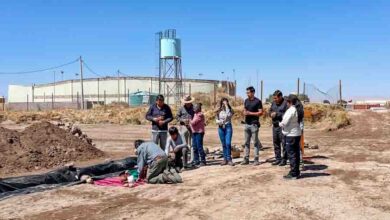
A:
[(160, 115), (278, 108)]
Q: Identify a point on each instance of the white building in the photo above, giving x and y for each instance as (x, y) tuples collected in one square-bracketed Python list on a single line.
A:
[(103, 90)]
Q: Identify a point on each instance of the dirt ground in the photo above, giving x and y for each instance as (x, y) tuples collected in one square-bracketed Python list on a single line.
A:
[(348, 177)]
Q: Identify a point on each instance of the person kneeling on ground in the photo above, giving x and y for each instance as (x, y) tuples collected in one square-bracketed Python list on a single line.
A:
[(178, 148), (292, 131), (152, 158)]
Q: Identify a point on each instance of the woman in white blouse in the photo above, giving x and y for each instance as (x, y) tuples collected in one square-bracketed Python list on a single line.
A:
[(292, 131), (225, 130)]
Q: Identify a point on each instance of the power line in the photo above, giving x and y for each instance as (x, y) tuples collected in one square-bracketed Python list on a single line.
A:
[(124, 74), (39, 70), (90, 70)]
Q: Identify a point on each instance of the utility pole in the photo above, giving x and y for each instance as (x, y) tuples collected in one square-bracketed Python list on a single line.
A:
[(340, 93), (32, 97), (304, 88), (82, 83), (298, 82), (261, 90), (235, 84), (257, 81), (124, 89), (98, 89), (151, 85)]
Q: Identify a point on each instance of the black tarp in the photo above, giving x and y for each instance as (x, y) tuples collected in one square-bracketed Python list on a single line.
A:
[(61, 177)]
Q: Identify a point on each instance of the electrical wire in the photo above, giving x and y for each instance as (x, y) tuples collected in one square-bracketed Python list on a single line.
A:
[(90, 70), (123, 74), (39, 70)]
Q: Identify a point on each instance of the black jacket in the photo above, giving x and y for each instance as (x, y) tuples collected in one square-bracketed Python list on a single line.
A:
[(280, 110), (155, 112)]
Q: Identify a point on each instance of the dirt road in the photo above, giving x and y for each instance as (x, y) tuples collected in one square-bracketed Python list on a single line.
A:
[(348, 177)]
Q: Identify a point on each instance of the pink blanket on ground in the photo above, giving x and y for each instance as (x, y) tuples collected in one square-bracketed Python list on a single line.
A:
[(116, 181), (113, 181)]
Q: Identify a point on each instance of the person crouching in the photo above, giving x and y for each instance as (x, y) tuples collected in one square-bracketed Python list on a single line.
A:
[(154, 160), (178, 148), (292, 131)]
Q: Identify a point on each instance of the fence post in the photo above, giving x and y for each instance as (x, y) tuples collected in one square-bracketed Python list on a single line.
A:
[(98, 98), (71, 90), (235, 90), (215, 95), (27, 103), (33, 94), (104, 97), (340, 92), (167, 94), (77, 99), (128, 97), (52, 101)]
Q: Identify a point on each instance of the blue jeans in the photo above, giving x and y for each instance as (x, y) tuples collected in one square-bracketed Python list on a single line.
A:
[(197, 146), (225, 135)]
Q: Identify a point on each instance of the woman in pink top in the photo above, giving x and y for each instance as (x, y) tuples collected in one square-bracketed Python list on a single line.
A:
[(198, 128)]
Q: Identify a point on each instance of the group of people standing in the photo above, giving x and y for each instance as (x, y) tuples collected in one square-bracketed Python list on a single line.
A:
[(177, 142)]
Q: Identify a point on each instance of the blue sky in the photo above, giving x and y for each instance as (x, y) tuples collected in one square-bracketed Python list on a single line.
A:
[(318, 41)]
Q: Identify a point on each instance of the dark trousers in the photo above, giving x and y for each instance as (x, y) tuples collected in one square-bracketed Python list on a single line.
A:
[(197, 145), (181, 157), (293, 152), (279, 144)]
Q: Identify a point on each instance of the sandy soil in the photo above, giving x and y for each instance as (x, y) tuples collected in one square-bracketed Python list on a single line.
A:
[(346, 178)]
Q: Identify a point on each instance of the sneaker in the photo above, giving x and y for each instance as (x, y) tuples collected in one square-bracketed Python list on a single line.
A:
[(245, 161), (202, 164), (189, 167), (230, 163), (224, 162), (283, 163), (289, 176), (195, 164), (277, 162), (256, 163)]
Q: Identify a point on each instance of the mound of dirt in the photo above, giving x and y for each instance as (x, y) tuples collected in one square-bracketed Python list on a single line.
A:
[(41, 145)]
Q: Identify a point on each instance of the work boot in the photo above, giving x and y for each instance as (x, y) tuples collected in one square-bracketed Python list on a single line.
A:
[(231, 163), (224, 162), (277, 162), (289, 176), (245, 161), (283, 163), (256, 162)]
